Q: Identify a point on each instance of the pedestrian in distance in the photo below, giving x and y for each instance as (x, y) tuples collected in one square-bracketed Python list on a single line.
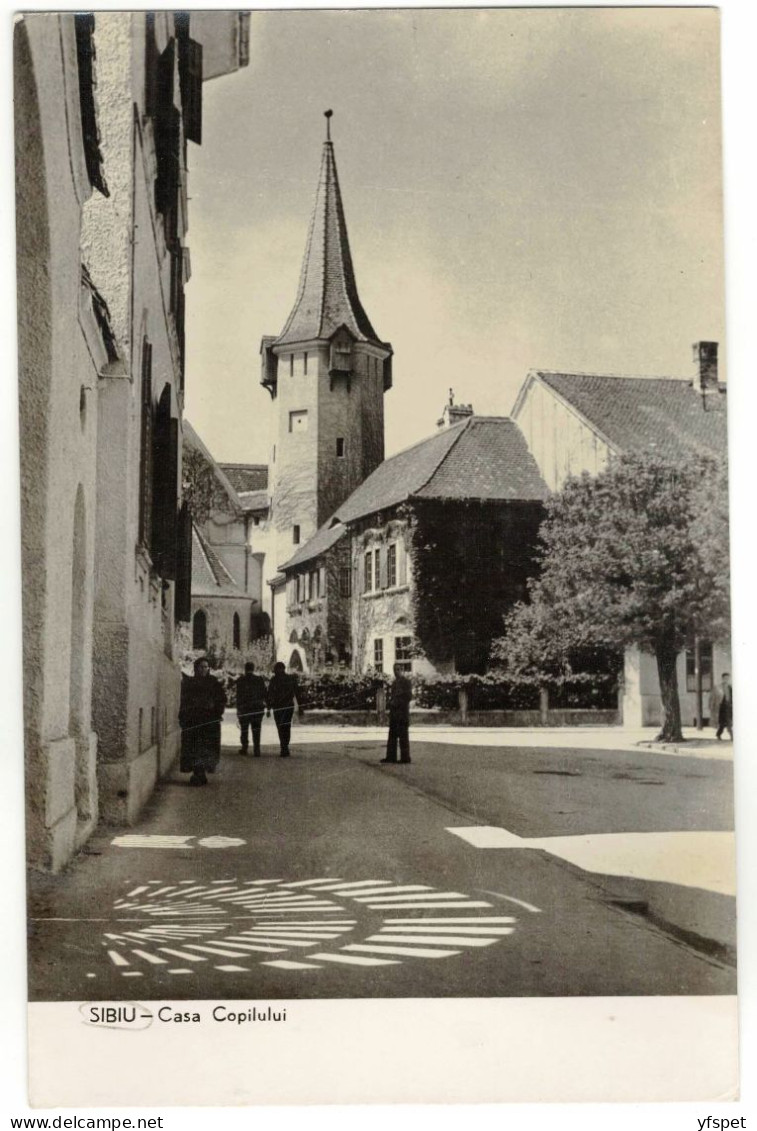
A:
[(251, 701), (725, 707), (282, 693), (203, 702), (400, 694)]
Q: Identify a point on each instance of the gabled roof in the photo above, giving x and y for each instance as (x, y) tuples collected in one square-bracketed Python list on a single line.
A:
[(246, 476), (324, 538), (482, 458), (665, 415), (210, 577), (192, 440), (327, 297)]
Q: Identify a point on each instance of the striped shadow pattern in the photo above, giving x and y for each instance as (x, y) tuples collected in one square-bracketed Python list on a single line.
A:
[(299, 926)]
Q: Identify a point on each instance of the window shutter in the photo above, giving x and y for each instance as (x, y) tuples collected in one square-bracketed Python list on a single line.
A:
[(146, 445), (165, 476), (322, 582), (183, 591), (402, 555), (190, 78)]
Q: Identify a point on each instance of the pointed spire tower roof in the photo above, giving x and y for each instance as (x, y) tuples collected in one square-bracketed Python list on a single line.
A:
[(327, 297)]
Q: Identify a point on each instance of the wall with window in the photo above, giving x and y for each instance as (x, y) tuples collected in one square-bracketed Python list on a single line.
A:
[(221, 623), (382, 616)]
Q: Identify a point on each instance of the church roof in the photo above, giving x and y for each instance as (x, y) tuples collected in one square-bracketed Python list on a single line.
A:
[(192, 440), (210, 577), (246, 476), (483, 458), (664, 415), (327, 297)]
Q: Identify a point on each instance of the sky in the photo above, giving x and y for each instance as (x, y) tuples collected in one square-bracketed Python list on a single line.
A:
[(523, 189)]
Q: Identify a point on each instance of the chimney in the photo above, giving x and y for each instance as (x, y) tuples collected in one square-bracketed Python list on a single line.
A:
[(705, 367), (454, 413)]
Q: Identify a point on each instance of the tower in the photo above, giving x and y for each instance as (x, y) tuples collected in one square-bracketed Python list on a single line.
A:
[(327, 373)]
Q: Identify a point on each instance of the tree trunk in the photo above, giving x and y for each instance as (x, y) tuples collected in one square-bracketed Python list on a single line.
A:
[(667, 655)]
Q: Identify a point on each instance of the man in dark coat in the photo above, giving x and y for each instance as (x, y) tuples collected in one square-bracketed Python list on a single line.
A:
[(203, 702), (400, 694), (251, 696), (282, 693), (725, 708)]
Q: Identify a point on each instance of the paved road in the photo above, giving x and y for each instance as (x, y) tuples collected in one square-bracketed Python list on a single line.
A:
[(329, 875)]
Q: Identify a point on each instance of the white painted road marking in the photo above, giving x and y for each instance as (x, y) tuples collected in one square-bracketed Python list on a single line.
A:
[(699, 859)]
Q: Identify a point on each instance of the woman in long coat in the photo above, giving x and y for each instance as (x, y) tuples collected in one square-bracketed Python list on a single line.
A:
[(203, 702)]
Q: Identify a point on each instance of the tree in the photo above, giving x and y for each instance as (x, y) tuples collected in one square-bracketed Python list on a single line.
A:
[(637, 555)]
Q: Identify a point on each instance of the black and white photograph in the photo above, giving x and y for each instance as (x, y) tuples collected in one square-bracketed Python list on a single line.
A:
[(375, 552)]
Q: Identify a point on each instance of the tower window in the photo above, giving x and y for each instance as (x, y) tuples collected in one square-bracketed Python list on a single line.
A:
[(305, 364), (291, 365), (296, 534), (298, 421), (340, 447)]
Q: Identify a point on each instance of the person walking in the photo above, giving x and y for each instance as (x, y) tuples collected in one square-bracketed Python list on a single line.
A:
[(725, 707), (400, 694), (282, 693), (251, 698), (202, 704)]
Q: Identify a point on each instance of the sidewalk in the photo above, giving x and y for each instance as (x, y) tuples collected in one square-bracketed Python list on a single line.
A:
[(698, 744)]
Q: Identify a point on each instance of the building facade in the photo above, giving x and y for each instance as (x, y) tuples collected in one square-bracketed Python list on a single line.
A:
[(105, 107), (579, 422)]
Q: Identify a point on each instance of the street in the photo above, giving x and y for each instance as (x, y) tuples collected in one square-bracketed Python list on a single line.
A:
[(478, 870)]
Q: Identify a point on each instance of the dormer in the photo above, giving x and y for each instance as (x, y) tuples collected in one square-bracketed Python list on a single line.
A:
[(341, 360)]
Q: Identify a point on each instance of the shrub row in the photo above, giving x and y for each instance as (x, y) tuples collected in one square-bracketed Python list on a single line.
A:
[(343, 691)]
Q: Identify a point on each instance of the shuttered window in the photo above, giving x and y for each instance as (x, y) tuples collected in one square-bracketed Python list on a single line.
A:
[(145, 448), (165, 488), (183, 592), (381, 567), (391, 565), (368, 572), (190, 79)]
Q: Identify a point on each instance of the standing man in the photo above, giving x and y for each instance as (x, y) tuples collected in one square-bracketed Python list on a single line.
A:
[(251, 697), (282, 693), (725, 708), (400, 694)]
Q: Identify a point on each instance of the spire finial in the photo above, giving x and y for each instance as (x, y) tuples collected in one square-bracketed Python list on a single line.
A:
[(328, 115)]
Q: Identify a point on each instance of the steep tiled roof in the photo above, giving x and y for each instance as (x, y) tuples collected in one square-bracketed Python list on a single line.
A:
[(490, 460), (210, 577), (192, 440), (323, 539), (661, 414), (246, 476), (327, 297), (481, 458), (399, 476)]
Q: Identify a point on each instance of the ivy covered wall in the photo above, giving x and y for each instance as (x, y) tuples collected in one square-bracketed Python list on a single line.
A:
[(471, 561)]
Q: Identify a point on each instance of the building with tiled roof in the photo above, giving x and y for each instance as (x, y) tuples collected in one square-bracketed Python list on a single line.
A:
[(576, 422), (226, 574), (478, 480), (246, 478), (579, 422), (327, 372)]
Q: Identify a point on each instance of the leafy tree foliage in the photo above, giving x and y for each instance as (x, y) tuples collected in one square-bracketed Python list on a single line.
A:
[(635, 556)]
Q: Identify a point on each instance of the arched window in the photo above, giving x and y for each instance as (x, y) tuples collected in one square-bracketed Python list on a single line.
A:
[(199, 631), (295, 662), (237, 632)]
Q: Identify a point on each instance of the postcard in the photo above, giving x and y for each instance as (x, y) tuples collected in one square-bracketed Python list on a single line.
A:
[(378, 685)]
